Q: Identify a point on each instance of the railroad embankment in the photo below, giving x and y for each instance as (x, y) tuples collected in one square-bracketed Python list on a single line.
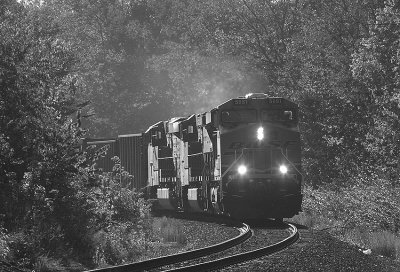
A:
[(365, 214)]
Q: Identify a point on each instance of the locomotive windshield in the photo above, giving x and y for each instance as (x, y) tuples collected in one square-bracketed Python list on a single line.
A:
[(239, 116), (281, 115)]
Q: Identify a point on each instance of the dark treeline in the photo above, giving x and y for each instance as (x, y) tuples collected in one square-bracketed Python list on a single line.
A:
[(121, 65)]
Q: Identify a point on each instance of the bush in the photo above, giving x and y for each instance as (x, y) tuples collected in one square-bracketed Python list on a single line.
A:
[(365, 214), (46, 264), (91, 218), (118, 244), (22, 249), (375, 205), (117, 225), (4, 248)]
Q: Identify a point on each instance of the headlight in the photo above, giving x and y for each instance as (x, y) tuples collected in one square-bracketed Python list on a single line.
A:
[(283, 169), (242, 169), (260, 133)]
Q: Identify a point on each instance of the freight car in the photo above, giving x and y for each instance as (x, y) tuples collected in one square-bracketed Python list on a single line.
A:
[(241, 159)]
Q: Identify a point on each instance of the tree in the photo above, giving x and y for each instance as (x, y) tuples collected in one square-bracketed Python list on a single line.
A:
[(335, 117), (113, 40), (376, 65), (49, 195), (193, 57), (38, 136)]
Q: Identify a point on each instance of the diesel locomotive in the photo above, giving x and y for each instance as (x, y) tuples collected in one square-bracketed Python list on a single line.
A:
[(241, 159)]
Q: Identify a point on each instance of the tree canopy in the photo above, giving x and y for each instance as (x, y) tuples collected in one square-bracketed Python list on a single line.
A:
[(72, 69)]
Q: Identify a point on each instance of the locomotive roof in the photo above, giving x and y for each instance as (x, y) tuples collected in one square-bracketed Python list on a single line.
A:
[(257, 99), (251, 100), (154, 126)]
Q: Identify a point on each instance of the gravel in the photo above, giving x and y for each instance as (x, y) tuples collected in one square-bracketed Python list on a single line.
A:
[(202, 234), (260, 238), (198, 235), (315, 251), (319, 251)]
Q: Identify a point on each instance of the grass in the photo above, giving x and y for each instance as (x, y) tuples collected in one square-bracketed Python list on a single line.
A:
[(366, 214), (312, 221), (45, 264), (170, 230), (120, 244), (384, 243)]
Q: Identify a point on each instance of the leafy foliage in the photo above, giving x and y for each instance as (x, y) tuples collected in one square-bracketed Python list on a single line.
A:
[(365, 214), (45, 180), (112, 40), (134, 56), (38, 137), (118, 61), (376, 64), (4, 247), (373, 205), (298, 49), (117, 224)]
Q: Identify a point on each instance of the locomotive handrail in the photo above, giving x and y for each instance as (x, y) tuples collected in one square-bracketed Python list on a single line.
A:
[(189, 155), (295, 168), (196, 154), (241, 155), (230, 166), (258, 148), (164, 158)]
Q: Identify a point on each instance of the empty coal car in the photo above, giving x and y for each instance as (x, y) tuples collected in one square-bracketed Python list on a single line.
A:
[(241, 159)]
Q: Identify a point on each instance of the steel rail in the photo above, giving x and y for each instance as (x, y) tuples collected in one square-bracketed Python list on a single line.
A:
[(243, 257), (245, 233)]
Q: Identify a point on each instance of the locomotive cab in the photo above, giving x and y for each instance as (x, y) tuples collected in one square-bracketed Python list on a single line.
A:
[(260, 147)]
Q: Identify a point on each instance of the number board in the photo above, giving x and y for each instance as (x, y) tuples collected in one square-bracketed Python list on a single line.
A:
[(274, 101), (239, 102)]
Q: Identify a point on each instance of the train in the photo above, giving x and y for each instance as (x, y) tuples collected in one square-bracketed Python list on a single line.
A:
[(241, 159)]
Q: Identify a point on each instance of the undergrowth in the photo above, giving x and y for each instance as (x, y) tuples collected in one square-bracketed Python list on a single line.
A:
[(366, 215), (170, 230), (4, 248)]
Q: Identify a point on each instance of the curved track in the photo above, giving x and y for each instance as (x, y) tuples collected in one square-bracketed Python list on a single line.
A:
[(245, 233), (246, 256)]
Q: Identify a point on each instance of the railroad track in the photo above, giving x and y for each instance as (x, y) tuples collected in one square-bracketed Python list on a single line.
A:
[(199, 260), (244, 234), (248, 252)]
